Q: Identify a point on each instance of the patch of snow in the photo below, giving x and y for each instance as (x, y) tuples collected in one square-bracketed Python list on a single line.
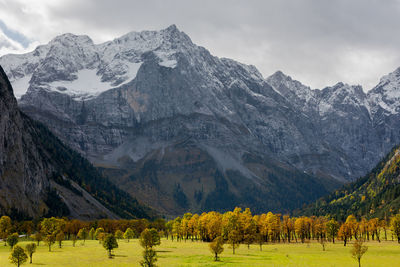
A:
[(166, 60), (168, 63), (88, 83), (133, 69), (21, 85)]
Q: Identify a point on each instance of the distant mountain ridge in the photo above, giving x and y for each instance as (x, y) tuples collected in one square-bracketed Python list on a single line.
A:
[(143, 100)]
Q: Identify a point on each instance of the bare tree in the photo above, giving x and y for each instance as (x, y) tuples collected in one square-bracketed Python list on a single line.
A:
[(358, 250)]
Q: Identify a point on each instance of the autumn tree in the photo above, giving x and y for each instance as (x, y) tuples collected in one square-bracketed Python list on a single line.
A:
[(149, 238), (91, 233), (301, 228), (37, 237), (5, 227), (83, 234), (30, 249), (213, 225), (12, 239), (232, 228), (119, 234), (129, 234), (50, 227), (74, 238), (60, 238), (193, 226), (184, 229), (273, 224), (217, 247), (259, 240), (149, 258), (352, 223), (322, 242), (72, 227), (344, 233), (364, 228), (26, 227), (383, 225), (168, 230), (288, 227), (395, 225), (320, 228), (373, 227), (176, 228), (332, 228), (110, 243), (358, 251), (18, 256), (249, 227), (99, 234)]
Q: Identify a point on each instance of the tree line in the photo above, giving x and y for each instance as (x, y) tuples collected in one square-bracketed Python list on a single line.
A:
[(242, 227), (233, 227), (237, 227)]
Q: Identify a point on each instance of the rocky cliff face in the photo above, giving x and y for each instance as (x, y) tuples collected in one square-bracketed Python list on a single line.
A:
[(357, 128), (142, 101), (34, 180)]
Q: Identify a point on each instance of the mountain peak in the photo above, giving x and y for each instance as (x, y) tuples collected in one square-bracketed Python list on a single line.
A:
[(291, 89), (386, 94), (70, 38), (172, 28), (279, 76)]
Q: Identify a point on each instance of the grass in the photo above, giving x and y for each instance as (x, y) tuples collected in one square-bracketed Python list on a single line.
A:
[(197, 254)]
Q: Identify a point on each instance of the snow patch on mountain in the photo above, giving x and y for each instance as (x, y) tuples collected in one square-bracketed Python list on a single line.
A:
[(87, 85), (165, 59), (386, 94), (21, 85)]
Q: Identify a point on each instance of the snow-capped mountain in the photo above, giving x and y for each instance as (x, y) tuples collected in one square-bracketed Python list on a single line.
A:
[(165, 118), (386, 95)]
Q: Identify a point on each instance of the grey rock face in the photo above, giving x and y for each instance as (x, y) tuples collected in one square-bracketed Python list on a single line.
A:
[(27, 169), (101, 99), (19, 172), (344, 120)]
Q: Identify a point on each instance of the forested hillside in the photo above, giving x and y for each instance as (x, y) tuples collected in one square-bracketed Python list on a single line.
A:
[(377, 194)]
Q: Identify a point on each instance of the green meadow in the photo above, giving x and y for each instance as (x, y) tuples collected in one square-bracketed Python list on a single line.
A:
[(386, 253)]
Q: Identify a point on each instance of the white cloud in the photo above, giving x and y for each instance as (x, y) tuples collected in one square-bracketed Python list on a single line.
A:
[(318, 42)]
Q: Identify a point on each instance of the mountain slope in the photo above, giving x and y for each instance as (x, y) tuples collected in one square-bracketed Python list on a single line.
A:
[(124, 104), (377, 194), (40, 176)]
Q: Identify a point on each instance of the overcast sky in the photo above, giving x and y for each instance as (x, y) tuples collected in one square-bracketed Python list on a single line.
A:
[(317, 42)]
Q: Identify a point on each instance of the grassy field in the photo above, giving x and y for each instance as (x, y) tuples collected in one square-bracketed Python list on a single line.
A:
[(198, 254)]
